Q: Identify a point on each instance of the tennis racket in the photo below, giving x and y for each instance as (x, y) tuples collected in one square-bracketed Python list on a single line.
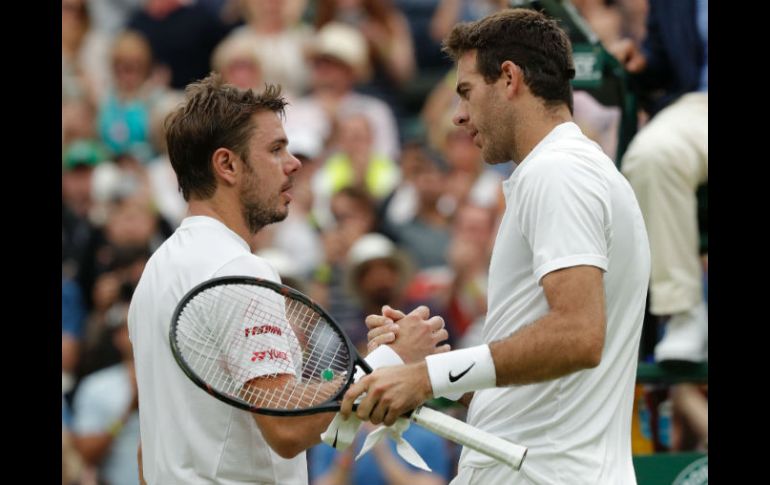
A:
[(268, 349)]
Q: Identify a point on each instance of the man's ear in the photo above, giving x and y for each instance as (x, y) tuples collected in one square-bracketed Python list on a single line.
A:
[(225, 165), (513, 77)]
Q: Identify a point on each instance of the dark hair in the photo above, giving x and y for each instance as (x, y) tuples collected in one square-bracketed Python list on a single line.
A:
[(214, 115), (360, 197), (529, 39)]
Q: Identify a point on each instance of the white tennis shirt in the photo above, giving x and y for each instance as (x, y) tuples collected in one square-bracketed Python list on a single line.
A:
[(567, 205), (188, 437)]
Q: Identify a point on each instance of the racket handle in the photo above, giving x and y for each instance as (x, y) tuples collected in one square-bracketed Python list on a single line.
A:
[(470, 436)]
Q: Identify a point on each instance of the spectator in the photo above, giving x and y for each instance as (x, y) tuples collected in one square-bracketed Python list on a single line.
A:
[(73, 317), (78, 162), (354, 215), (279, 41), (163, 185), (237, 61), (376, 274), (124, 112), (469, 253), (449, 12), (112, 16), (389, 40), (339, 62), (106, 424), (426, 236), (354, 162), (182, 36), (82, 53), (665, 163)]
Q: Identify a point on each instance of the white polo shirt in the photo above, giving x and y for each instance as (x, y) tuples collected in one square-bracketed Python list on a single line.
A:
[(567, 205), (188, 437)]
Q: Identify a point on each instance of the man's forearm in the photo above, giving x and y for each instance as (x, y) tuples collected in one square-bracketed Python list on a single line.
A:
[(552, 347), (290, 436)]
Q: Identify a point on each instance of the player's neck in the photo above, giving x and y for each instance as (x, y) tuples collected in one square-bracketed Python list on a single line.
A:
[(535, 129), (229, 215)]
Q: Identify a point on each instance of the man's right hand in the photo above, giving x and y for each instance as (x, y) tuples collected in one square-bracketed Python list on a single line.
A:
[(413, 337)]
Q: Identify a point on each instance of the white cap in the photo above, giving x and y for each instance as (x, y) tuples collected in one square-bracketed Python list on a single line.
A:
[(343, 42), (305, 142), (370, 247)]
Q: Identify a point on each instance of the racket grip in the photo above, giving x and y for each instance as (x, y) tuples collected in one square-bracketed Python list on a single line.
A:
[(470, 436)]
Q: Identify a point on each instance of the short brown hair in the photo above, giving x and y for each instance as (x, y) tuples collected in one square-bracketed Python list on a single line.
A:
[(214, 115), (525, 37)]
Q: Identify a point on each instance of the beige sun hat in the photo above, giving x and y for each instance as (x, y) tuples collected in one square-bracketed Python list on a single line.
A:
[(344, 43), (372, 247)]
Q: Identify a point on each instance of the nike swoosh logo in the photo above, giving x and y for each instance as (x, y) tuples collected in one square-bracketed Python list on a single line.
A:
[(458, 376)]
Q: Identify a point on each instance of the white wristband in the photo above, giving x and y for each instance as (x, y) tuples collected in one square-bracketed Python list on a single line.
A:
[(459, 371), (380, 357)]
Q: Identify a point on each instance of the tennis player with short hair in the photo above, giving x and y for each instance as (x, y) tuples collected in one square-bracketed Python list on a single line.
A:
[(229, 151), (568, 276)]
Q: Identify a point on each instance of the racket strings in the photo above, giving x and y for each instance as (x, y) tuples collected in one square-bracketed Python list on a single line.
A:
[(289, 354), (305, 321), (314, 365)]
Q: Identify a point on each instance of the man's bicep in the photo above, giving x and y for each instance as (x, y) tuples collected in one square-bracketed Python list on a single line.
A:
[(577, 290), (577, 294)]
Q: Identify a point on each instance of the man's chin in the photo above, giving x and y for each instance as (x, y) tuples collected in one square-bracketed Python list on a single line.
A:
[(281, 215), (493, 159)]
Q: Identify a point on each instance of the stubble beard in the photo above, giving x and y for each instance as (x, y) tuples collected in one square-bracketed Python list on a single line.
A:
[(495, 149), (496, 140), (260, 213), (492, 155), (258, 216)]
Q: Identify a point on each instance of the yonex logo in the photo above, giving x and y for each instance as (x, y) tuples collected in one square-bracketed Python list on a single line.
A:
[(271, 354)]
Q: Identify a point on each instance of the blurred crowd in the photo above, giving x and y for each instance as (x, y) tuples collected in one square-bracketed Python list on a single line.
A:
[(393, 205)]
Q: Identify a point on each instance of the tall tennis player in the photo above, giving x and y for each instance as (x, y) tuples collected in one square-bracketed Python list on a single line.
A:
[(567, 281)]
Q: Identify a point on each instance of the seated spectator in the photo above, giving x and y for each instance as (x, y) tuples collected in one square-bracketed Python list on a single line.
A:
[(239, 65), (469, 253), (182, 35), (79, 161), (124, 111), (339, 63), (163, 184), (73, 318), (106, 417), (278, 39), (389, 44), (376, 274), (354, 162), (354, 215), (426, 236)]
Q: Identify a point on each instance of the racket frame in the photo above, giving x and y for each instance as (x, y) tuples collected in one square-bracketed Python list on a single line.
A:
[(330, 405)]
